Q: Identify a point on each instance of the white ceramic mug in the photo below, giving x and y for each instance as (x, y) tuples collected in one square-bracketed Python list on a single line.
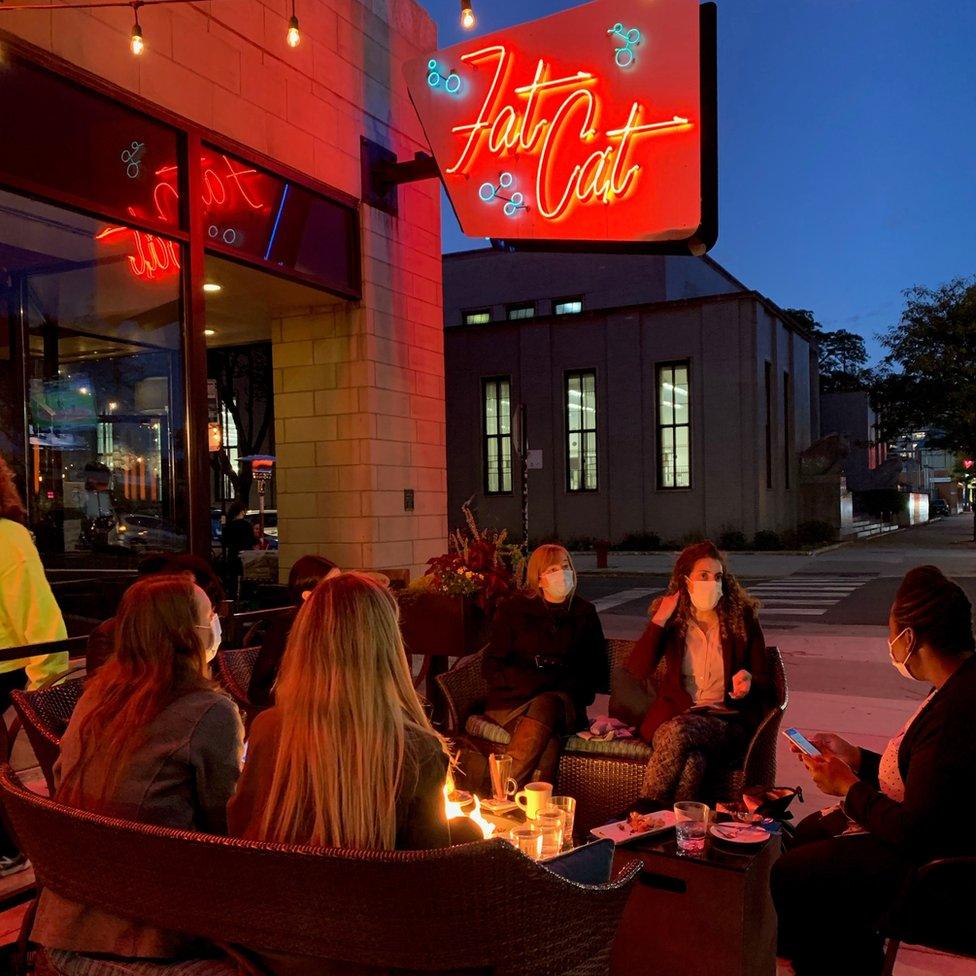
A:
[(534, 798)]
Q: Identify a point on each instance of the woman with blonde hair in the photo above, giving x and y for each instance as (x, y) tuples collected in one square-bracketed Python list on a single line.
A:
[(716, 686), (151, 740), (544, 663), (346, 757)]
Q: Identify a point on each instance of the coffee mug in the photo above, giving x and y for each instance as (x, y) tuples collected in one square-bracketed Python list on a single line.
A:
[(534, 798)]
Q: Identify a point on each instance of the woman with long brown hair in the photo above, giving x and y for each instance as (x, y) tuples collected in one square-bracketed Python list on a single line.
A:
[(346, 757), (151, 740), (544, 663), (716, 685)]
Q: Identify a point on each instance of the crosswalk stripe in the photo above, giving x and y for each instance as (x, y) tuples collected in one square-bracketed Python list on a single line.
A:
[(771, 601), (794, 611), (624, 596)]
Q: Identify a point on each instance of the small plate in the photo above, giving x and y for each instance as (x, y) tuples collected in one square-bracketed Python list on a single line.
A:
[(620, 832), (498, 807), (739, 833)]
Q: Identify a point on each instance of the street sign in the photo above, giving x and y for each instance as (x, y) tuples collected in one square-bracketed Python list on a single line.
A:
[(592, 126)]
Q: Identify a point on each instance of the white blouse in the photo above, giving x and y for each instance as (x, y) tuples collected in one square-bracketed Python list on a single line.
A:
[(703, 666), (889, 775)]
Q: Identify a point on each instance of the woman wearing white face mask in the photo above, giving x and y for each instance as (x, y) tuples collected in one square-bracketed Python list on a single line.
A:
[(545, 661), (716, 686), (893, 815)]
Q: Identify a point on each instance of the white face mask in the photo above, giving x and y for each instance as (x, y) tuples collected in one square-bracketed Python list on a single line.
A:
[(705, 594), (900, 666), (216, 634), (557, 584)]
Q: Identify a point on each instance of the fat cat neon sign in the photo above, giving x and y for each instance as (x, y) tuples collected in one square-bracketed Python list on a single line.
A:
[(591, 120)]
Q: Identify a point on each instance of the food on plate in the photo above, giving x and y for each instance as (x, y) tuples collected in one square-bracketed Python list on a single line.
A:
[(639, 822)]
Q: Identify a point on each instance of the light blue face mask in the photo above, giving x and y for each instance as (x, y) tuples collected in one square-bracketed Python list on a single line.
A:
[(558, 584), (901, 666)]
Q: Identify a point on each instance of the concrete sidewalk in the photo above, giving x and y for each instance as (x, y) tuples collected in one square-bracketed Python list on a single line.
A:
[(946, 542)]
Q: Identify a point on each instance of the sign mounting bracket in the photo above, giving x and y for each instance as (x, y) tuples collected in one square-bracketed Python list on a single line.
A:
[(382, 173)]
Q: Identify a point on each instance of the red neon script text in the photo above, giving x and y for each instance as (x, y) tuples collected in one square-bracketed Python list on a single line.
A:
[(556, 119)]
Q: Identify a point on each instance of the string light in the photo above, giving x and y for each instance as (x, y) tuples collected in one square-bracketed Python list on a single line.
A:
[(467, 15), (294, 35), (136, 44)]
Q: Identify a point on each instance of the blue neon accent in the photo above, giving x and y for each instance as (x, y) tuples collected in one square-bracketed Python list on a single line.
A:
[(624, 56), (277, 220)]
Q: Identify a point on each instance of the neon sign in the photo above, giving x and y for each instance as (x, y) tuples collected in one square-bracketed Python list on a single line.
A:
[(451, 82), (603, 145), (230, 191)]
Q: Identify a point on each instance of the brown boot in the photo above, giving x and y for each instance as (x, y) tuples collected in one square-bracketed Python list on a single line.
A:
[(530, 739)]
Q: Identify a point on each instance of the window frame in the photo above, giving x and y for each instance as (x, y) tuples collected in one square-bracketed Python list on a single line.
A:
[(501, 439), (787, 428), (520, 306), (556, 302), (568, 376), (660, 426), (475, 311), (768, 374)]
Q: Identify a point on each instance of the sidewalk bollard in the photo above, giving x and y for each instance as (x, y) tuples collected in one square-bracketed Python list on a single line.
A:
[(602, 548)]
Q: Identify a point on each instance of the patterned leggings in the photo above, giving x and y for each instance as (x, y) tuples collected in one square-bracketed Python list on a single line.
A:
[(683, 747)]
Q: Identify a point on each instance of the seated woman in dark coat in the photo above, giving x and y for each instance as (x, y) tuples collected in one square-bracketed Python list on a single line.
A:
[(545, 661), (304, 576), (896, 808), (717, 685)]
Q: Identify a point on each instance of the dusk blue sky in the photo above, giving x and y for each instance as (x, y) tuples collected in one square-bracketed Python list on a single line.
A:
[(847, 147)]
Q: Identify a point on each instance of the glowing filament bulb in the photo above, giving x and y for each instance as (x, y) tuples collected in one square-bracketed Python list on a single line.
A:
[(294, 35), (467, 15), (136, 43)]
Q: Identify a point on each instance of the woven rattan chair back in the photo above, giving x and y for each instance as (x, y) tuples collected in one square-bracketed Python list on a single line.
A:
[(234, 670), (45, 715), (436, 911)]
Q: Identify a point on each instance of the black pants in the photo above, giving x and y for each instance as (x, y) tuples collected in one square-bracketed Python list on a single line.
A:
[(9, 681), (831, 894)]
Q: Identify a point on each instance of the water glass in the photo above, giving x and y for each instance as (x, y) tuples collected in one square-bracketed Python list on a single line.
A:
[(551, 824), (691, 825), (528, 840), (568, 806)]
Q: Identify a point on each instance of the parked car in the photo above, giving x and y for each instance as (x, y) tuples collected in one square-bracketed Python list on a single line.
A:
[(939, 506), (137, 531)]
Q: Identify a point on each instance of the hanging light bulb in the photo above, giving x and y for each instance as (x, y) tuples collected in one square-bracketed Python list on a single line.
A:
[(467, 15), (136, 43), (294, 35)]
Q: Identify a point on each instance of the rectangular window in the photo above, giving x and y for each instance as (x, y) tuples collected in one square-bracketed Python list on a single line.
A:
[(787, 429), (479, 317), (497, 399), (568, 306), (581, 431), (769, 425), (673, 426), (525, 310)]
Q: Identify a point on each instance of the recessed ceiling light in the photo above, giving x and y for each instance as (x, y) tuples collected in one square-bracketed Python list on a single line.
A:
[(211, 286), (209, 332)]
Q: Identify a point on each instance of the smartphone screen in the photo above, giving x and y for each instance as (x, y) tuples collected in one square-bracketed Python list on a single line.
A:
[(801, 742)]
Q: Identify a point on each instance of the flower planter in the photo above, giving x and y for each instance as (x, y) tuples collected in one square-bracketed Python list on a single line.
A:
[(438, 625)]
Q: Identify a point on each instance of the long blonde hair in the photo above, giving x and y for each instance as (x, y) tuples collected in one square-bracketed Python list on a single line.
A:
[(11, 507), (159, 656), (546, 555), (349, 718)]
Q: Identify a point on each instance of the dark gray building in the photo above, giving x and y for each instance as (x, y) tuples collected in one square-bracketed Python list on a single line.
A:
[(660, 395)]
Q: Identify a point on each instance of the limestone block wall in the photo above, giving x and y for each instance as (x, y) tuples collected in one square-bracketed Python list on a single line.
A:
[(359, 387)]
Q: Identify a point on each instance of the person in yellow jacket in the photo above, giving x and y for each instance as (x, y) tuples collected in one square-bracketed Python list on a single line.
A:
[(29, 614)]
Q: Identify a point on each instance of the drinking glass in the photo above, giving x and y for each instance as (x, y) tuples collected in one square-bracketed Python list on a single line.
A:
[(568, 806), (529, 841), (502, 784), (691, 824), (551, 823)]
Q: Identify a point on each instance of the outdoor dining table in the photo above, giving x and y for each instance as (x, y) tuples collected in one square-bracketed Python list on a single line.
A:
[(709, 914)]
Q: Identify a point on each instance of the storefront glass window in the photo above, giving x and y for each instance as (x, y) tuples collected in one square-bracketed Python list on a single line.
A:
[(84, 148), (497, 435), (103, 386), (581, 432)]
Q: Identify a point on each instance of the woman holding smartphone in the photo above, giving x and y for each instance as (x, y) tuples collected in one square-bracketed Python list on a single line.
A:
[(854, 859), (716, 686)]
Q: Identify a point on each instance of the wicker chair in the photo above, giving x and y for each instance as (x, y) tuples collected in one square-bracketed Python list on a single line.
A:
[(45, 714), (606, 777), (234, 670), (415, 911)]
